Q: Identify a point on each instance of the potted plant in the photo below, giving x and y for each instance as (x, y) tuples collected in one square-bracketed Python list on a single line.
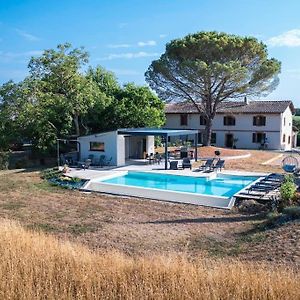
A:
[(235, 140)]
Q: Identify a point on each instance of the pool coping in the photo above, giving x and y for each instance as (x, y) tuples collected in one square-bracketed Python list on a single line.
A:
[(94, 185)]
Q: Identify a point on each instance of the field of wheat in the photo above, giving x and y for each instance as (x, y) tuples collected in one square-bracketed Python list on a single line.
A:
[(37, 266)]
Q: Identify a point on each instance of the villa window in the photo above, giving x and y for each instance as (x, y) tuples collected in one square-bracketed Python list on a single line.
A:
[(283, 138), (259, 121), (229, 121), (213, 138), (289, 139), (200, 138), (258, 137), (97, 146), (183, 119), (203, 120), (283, 121)]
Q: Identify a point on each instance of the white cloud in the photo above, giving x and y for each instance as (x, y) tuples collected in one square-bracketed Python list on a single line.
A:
[(138, 44), (27, 36), (115, 46), (10, 56), (147, 43), (289, 38), (129, 55), (161, 36), (125, 72)]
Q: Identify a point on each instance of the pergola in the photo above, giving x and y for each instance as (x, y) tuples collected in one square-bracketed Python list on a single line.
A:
[(163, 133)]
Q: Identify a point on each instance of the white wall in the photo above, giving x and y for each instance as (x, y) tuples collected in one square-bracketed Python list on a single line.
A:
[(242, 130), (150, 144), (287, 129), (110, 140), (114, 146)]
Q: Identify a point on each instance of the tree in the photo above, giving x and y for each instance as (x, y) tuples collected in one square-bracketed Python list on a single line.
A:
[(59, 74), (208, 68), (57, 98), (137, 106), (122, 107)]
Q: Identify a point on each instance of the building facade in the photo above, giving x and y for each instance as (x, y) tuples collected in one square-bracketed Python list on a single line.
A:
[(246, 124)]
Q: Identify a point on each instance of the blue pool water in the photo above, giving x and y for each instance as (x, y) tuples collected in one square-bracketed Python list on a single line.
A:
[(226, 185)]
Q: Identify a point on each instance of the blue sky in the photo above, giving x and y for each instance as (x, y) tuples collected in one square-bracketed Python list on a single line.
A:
[(125, 36)]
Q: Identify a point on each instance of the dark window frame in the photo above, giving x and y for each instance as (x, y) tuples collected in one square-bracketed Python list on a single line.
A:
[(259, 120), (203, 120), (95, 149), (229, 121), (183, 119), (256, 139), (213, 138)]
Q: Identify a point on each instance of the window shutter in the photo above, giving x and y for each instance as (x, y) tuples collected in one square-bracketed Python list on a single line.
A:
[(254, 121), (264, 121), (253, 137)]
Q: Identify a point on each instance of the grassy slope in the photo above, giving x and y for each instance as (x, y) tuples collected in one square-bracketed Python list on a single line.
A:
[(35, 266), (142, 227)]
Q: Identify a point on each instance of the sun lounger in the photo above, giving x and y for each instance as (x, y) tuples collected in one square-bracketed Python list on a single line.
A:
[(220, 164), (186, 163), (207, 165)]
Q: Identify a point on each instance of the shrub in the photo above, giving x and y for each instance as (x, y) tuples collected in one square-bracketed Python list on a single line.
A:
[(287, 192), (4, 160), (289, 178), (51, 173)]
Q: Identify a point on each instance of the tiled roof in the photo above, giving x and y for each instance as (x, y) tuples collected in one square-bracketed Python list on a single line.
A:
[(235, 107)]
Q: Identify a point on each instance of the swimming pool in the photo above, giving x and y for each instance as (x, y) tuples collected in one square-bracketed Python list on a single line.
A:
[(215, 190), (222, 185)]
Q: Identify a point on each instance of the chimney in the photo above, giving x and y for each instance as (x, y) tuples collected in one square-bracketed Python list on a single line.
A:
[(246, 101)]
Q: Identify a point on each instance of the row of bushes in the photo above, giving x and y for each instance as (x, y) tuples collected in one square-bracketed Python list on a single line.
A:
[(56, 177)]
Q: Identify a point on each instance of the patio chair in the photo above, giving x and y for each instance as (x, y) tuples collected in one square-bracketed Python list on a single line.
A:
[(108, 162), (102, 160), (207, 165), (186, 163), (84, 165), (91, 157), (174, 165), (157, 158), (220, 164)]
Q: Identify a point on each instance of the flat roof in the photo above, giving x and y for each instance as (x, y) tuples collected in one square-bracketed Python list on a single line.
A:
[(157, 131)]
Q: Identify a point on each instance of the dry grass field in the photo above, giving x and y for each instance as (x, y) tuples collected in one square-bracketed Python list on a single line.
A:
[(142, 227), (36, 266)]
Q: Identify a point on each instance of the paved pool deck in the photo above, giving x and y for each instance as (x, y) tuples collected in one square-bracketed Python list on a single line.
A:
[(93, 173)]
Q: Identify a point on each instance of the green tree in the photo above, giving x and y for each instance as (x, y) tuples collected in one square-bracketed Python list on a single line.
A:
[(138, 106), (58, 72), (208, 68)]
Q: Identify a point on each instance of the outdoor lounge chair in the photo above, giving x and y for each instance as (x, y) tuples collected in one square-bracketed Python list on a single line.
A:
[(207, 165), (174, 165), (261, 188), (186, 163), (220, 164)]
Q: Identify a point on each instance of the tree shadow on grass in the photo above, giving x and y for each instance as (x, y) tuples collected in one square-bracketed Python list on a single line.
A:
[(224, 219)]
